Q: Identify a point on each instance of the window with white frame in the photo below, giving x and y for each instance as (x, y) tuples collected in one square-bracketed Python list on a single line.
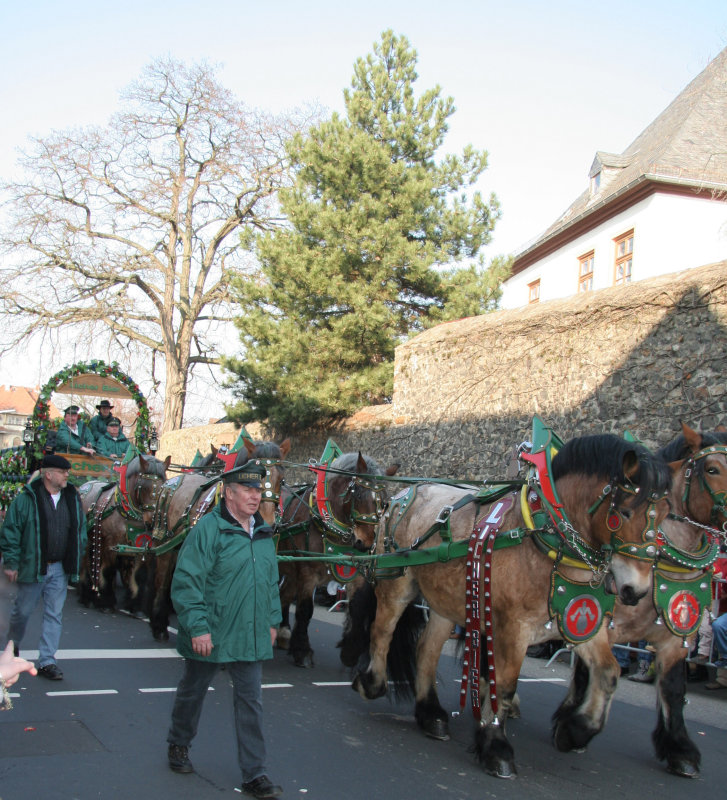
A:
[(534, 291), (624, 258), (585, 272)]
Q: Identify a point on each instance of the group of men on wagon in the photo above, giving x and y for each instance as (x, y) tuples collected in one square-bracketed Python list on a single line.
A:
[(102, 435)]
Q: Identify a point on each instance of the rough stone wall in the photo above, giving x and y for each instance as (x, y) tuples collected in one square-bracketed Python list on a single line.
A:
[(638, 357)]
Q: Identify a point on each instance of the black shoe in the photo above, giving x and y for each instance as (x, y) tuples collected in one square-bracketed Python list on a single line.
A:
[(625, 671), (179, 758), (51, 671), (262, 787)]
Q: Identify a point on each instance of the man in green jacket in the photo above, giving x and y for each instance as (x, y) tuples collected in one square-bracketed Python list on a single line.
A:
[(225, 593), (112, 443), (100, 421), (74, 436), (42, 541)]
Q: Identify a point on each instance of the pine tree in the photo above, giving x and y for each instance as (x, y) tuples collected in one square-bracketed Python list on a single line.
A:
[(373, 218)]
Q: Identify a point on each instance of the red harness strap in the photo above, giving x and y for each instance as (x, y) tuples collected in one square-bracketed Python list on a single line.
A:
[(482, 538)]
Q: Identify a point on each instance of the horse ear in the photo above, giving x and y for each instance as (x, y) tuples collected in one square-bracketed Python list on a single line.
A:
[(214, 450), (692, 438), (392, 469), (361, 465), (167, 462), (631, 465), (285, 447), (721, 429), (249, 446)]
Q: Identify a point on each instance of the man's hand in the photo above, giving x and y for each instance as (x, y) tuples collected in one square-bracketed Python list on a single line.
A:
[(273, 636), (202, 645), (11, 575)]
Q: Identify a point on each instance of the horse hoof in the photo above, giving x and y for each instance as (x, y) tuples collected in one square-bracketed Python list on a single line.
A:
[(504, 771), (683, 770), (437, 729)]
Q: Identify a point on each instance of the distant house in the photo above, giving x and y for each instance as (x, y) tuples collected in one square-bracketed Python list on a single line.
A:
[(16, 406), (658, 207)]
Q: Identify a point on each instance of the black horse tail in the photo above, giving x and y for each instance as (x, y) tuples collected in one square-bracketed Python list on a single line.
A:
[(401, 658)]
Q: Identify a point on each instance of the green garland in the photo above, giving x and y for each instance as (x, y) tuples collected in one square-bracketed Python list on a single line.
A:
[(42, 423), (13, 473)]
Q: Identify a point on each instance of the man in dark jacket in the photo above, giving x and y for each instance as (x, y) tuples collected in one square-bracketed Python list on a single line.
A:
[(112, 443), (74, 436), (42, 541), (225, 592)]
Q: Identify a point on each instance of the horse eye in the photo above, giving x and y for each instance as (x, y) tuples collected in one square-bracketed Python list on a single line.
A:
[(627, 513)]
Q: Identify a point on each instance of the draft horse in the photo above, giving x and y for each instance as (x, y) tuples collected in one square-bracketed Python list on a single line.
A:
[(670, 613), (337, 513), (182, 502), (510, 567), (117, 513)]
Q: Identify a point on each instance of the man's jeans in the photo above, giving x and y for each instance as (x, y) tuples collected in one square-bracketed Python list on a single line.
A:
[(53, 589), (247, 695)]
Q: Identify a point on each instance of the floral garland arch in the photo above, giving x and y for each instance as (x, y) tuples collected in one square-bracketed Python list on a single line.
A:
[(42, 423)]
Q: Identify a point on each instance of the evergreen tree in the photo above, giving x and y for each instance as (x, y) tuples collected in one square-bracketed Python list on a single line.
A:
[(373, 218)]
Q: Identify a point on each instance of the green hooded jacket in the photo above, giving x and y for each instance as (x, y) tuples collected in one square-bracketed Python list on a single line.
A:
[(21, 543), (226, 584), (106, 446)]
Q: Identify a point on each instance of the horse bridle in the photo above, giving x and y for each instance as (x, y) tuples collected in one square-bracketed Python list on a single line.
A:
[(719, 499), (342, 532)]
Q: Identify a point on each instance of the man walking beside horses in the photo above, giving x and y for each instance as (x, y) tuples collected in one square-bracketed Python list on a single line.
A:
[(225, 593)]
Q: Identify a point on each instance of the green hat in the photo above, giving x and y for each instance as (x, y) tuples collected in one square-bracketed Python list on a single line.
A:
[(252, 473), (71, 410), (113, 421)]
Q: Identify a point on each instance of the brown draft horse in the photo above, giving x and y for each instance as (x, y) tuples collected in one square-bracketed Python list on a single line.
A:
[(355, 504), (116, 513), (698, 502), (183, 500), (613, 496)]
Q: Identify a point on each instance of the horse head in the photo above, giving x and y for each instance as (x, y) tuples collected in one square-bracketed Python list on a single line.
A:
[(271, 456), (356, 499), (699, 493), (144, 479), (615, 494)]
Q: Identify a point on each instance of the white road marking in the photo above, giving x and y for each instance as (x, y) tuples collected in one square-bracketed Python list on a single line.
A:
[(80, 692), (331, 683)]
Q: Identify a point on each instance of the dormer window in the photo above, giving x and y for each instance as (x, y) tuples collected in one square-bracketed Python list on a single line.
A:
[(595, 183)]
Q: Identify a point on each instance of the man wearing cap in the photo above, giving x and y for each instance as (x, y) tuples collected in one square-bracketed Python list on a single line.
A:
[(74, 436), (112, 443), (225, 593), (42, 541), (99, 423)]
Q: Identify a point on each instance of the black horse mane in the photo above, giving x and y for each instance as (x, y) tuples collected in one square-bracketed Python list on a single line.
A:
[(604, 454), (678, 448)]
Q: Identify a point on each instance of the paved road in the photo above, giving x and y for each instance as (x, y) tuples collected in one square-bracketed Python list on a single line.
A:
[(100, 733)]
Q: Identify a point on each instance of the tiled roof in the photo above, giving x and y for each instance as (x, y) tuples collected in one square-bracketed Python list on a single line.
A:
[(684, 146), (21, 400)]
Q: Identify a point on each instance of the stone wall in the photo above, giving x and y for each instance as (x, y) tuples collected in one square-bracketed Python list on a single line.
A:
[(639, 357)]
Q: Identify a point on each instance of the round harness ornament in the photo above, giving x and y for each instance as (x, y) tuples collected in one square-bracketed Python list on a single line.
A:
[(582, 617), (142, 540), (684, 612)]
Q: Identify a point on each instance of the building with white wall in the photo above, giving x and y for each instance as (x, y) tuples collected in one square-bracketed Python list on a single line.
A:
[(658, 207)]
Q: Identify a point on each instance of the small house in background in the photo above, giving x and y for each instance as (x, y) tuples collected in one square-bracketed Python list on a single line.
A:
[(658, 207), (16, 407)]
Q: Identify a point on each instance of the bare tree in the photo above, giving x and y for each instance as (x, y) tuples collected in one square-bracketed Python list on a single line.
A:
[(136, 228)]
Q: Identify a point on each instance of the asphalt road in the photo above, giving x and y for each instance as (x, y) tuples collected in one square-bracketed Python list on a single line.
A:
[(101, 732)]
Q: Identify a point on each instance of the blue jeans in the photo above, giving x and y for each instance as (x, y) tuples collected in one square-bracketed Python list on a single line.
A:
[(248, 707), (53, 589), (719, 632)]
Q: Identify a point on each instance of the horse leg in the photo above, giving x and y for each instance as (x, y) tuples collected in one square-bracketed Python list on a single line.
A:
[(360, 613), (671, 740), (428, 711), (584, 711), (299, 645), (392, 598), (283, 640), (158, 600)]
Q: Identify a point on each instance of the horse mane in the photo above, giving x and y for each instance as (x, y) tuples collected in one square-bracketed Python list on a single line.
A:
[(348, 462), (678, 448), (604, 455), (262, 450)]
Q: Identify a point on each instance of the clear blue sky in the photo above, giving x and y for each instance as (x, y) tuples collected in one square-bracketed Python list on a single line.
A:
[(539, 85)]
